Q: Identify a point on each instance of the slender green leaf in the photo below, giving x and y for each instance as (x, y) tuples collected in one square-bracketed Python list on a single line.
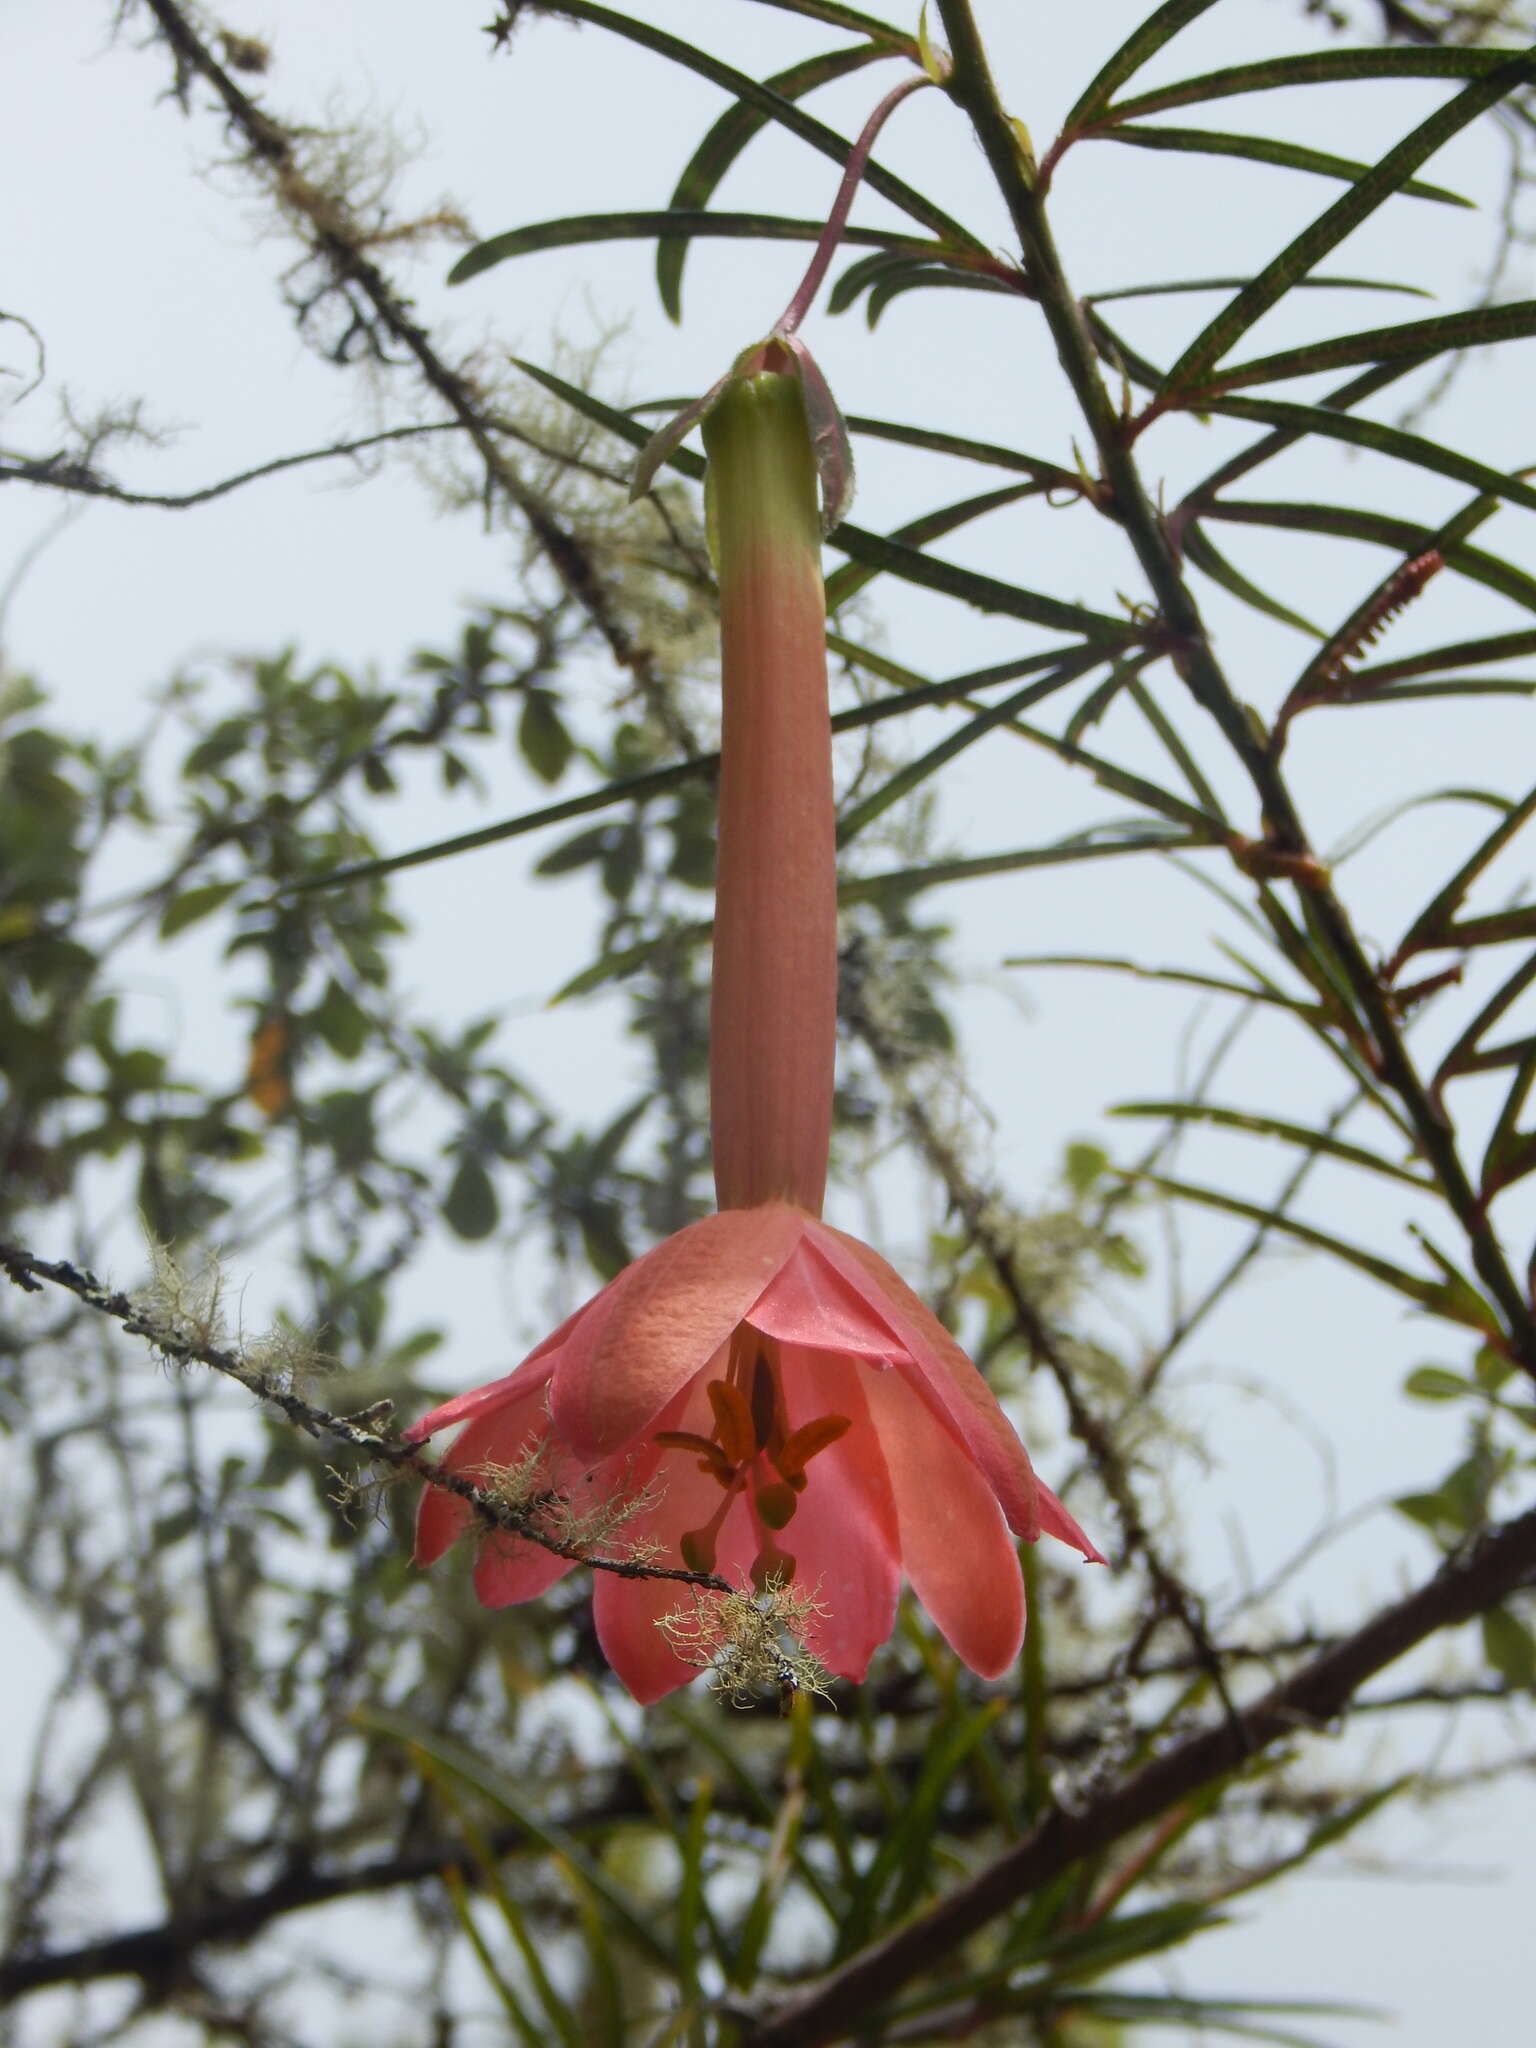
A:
[(914, 773), (458, 1897), (1429, 928), (1049, 473), (1264, 149), (748, 92), (1268, 446), (728, 138), (1276, 1127), (1463, 686), (690, 1891), (1081, 846), (1319, 67), (1494, 647), (1479, 327), (1463, 1057), (1238, 2017), (1236, 284), (1511, 1152), (986, 593), (1160, 27), (1439, 1297), (1382, 440), (1342, 218), (1123, 783), (1404, 536), (1182, 976), (676, 230), (838, 16), (918, 277), (1203, 553), (909, 1838), (510, 1798), (846, 582)]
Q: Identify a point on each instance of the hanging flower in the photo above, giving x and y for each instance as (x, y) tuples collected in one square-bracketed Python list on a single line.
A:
[(761, 1399), (785, 1409), (775, 1404)]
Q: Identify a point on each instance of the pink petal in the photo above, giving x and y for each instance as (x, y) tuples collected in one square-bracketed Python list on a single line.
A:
[(953, 1380), (680, 1304), (810, 1302), (532, 1374), (499, 1437), (1055, 1521), (844, 1534), (627, 1611), (955, 1546)]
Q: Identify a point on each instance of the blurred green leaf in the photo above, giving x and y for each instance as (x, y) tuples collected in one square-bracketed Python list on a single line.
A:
[(470, 1207), (1510, 1648), (1438, 1296), (542, 737), (1434, 1383), (194, 904), (1276, 1127)]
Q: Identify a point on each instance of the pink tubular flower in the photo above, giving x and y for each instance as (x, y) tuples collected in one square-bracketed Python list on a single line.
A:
[(774, 1401)]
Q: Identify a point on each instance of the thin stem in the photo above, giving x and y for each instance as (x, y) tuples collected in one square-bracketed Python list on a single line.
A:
[(837, 220)]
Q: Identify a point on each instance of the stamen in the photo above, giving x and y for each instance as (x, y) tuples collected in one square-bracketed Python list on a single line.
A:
[(807, 1441), (733, 1421), (764, 1401), (710, 1456), (698, 1549)]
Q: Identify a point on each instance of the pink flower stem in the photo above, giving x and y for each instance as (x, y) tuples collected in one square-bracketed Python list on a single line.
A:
[(832, 233)]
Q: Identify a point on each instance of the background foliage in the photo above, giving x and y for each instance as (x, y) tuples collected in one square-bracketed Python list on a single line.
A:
[(253, 1688)]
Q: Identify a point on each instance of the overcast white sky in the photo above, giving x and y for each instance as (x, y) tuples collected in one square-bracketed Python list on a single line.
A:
[(132, 247)]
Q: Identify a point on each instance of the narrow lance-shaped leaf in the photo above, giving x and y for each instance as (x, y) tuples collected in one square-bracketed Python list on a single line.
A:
[(1480, 327), (1268, 446), (1160, 27), (846, 582), (1183, 977), (1404, 536), (1459, 654), (835, 15), (749, 92), (1263, 149), (1429, 927), (729, 137), (1317, 67), (914, 773), (917, 277), (1277, 1127), (1176, 287), (678, 229), (1049, 473), (1342, 218), (512, 1799), (1202, 552)]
